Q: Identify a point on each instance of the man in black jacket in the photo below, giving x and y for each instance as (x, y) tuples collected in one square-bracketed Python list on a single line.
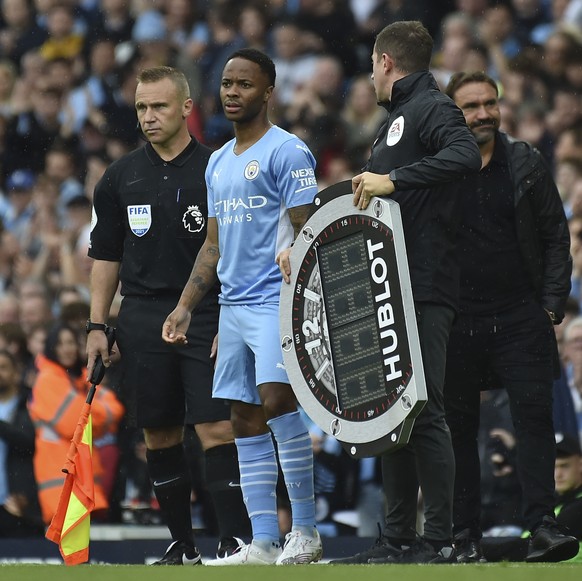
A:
[(420, 154), (513, 247), (19, 507)]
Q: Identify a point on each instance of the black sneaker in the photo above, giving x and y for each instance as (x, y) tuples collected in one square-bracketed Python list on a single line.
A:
[(228, 546), (420, 551), (381, 548), (468, 548), (550, 543), (179, 553)]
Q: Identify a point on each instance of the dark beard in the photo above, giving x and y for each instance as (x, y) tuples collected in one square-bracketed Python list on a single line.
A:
[(483, 137)]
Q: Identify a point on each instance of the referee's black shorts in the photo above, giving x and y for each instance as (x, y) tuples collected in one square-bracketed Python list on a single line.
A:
[(167, 385)]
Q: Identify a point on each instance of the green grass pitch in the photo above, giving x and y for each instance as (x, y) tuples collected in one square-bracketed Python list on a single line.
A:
[(486, 572)]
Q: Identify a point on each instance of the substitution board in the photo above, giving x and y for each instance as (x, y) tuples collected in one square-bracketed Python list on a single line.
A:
[(348, 324)]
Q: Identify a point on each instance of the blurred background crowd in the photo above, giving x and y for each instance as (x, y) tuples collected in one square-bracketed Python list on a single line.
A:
[(67, 80)]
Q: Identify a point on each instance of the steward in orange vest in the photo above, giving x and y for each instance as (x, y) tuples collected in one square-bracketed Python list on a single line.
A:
[(58, 395)]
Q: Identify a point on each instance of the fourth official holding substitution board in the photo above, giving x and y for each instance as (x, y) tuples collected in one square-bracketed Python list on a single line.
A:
[(420, 152)]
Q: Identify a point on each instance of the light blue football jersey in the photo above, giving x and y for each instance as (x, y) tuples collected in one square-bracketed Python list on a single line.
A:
[(249, 195)]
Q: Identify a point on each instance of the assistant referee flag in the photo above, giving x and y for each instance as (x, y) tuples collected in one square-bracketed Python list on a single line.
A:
[(69, 527)]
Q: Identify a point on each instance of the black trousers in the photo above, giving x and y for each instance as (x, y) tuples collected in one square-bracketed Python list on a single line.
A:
[(513, 351), (427, 460)]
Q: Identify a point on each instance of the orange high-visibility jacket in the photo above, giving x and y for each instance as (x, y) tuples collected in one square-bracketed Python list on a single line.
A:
[(55, 408)]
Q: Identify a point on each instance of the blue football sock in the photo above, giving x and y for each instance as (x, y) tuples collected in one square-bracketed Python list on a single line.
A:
[(296, 459), (258, 480)]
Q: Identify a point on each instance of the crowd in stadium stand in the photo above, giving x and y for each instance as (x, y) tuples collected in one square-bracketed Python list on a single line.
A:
[(67, 82)]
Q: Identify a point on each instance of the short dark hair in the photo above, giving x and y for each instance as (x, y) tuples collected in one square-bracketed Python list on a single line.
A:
[(567, 445), (155, 74), (74, 311), (260, 58), (13, 333), (464, 78), (409, 44)]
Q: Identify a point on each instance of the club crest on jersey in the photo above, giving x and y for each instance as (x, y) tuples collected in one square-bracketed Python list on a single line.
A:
[(193, 219), (252, 170), (140, 218), (395, 132)]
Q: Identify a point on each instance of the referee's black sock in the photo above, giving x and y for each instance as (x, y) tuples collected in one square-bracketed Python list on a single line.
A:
[(223, 482), (173, 488)]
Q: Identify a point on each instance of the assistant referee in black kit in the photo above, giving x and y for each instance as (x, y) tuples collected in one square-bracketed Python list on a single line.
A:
[(149, 221)]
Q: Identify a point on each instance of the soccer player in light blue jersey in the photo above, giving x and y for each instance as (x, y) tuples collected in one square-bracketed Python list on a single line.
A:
[(260, 186)]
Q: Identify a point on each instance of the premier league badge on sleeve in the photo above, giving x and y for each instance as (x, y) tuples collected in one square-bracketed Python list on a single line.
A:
[(140, 218), (348, 324)]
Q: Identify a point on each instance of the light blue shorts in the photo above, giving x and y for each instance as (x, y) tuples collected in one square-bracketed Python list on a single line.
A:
[(249, 352)]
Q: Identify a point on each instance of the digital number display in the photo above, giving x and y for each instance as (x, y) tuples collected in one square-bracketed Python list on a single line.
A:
[(351, 320)]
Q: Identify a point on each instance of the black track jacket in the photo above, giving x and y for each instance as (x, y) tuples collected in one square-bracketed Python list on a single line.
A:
[(425, 141), (541, 225)]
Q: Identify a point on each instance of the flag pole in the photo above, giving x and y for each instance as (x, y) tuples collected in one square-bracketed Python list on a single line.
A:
[(69, 526)]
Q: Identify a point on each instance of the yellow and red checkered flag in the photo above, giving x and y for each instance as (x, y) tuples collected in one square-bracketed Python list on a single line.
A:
[(69, 527), (70, 524)]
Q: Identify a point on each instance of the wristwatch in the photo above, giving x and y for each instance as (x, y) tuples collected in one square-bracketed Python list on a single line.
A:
[(90, 326), (552, 316)]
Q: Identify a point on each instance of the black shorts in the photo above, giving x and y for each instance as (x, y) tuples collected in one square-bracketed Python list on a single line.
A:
[(167, 385)]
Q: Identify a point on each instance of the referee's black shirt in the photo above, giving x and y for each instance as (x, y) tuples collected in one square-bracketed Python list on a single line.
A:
[(151, 215)]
